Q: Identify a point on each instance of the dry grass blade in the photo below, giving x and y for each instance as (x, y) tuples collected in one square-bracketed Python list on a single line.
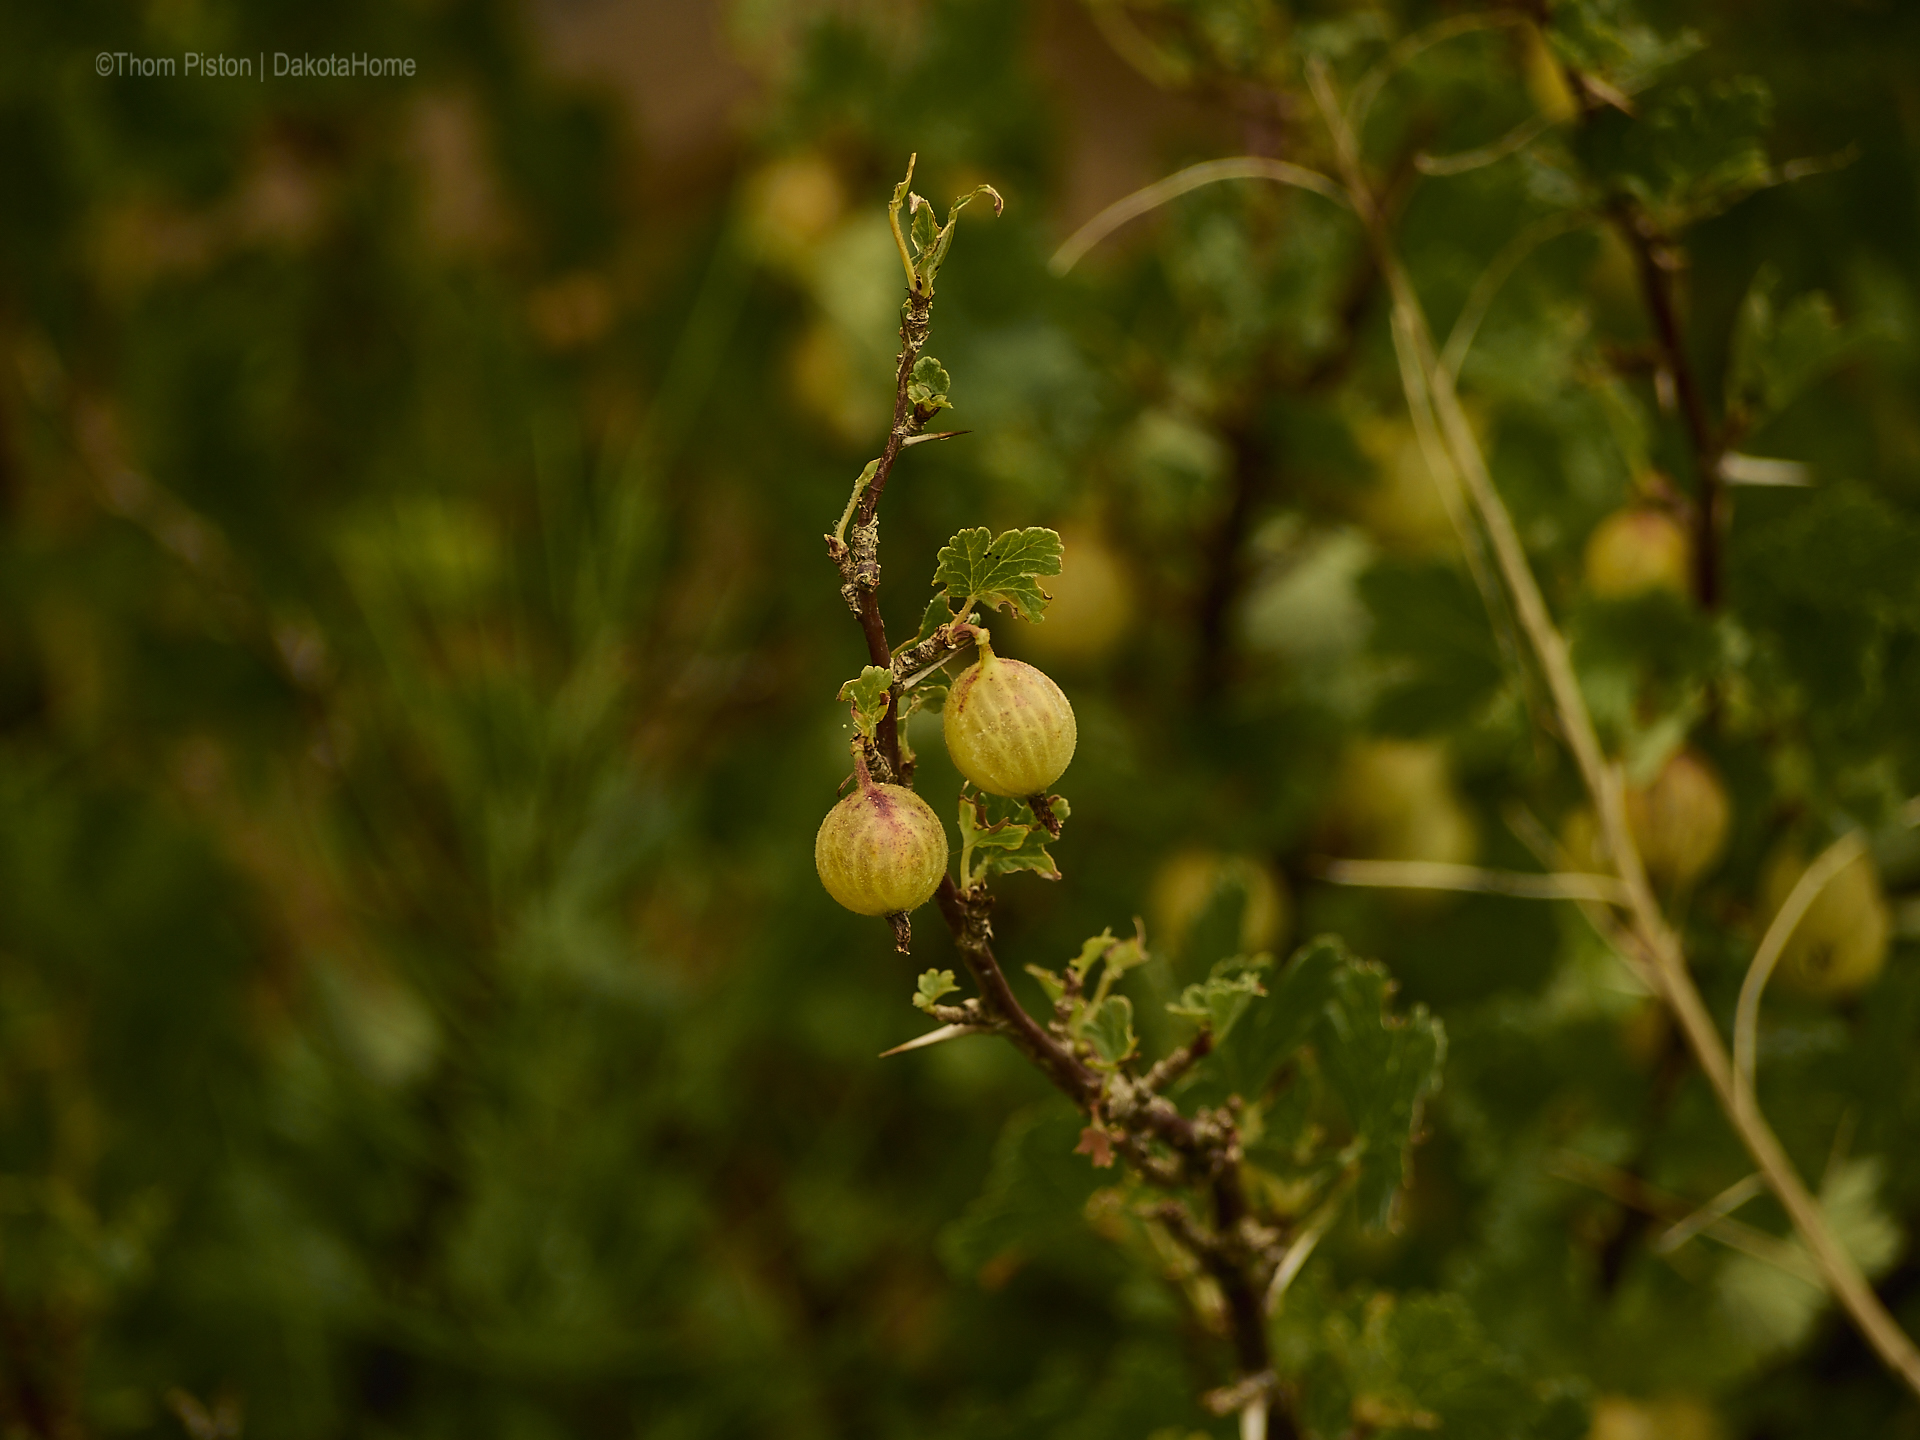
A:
[(1438, 875), (1430, 389), (1182, 182)]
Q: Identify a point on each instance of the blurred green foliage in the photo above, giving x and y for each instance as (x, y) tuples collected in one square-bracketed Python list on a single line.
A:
[(417, 1013)]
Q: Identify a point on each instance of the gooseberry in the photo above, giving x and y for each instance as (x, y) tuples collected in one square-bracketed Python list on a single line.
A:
[(1637, 550), (1091, 606), (1679, 822), (1670, 1417), (881, 850), (789, 207), (1188, 883), (1841, 942), (1395, 800), (1009, 728), (1403, 507)]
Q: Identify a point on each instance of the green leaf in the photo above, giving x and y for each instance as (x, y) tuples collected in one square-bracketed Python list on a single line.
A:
[(930, 698), (934, 984), (1130, 953), (928, 385), (993, 842), (1849, 1193), (1285, 1135), (939, 612), (1000, 571), (1109, 1030), (1777, 353), (1776, 1307), (1326, 1406), (1091, 952), (868, 695), (1827, 577), (961, 203), (931, 245), (1033, 1201), (924, 231), (1271, 1029), (1606, 39), (1423, 1363), (1049, 981), (1379, 1066), (1689, 157), (1382, 1067), (1218, 1002), (953, 214)]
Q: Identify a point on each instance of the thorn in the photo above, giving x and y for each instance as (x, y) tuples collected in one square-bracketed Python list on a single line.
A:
[(935, 1037), (942, 435), (1603, 92)]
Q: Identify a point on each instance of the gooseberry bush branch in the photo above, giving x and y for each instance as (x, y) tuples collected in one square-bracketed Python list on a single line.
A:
[(1203, 1140), (1455, 458), (1622, 906)]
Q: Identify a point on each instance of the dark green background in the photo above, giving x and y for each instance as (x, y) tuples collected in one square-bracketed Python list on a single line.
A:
[(418, 1015)]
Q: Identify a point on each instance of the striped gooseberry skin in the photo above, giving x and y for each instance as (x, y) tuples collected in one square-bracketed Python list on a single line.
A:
[(880, 850), (1009, 728)]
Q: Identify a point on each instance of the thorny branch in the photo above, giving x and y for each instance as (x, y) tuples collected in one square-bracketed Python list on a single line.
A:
[(1658, 263), (1454, 456), (859, 558), (1164, 1147)]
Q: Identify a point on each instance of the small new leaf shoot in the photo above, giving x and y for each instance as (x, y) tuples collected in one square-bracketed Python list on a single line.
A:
[(928, 385), (868, 696), (1218, 1002), (1091, 952), (933, 985), (992, 842), (1109, 1030), (925, 230), (1049, 981), (860, 484)]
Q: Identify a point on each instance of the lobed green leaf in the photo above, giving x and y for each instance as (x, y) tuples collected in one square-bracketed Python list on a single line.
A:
[(1219, 1001), (1000, 571), (1108, 1028), (933, 985), (1379, 1067), (868, 695), (1778, 352), (993, 842), (1033, 1200), (927, 386)]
